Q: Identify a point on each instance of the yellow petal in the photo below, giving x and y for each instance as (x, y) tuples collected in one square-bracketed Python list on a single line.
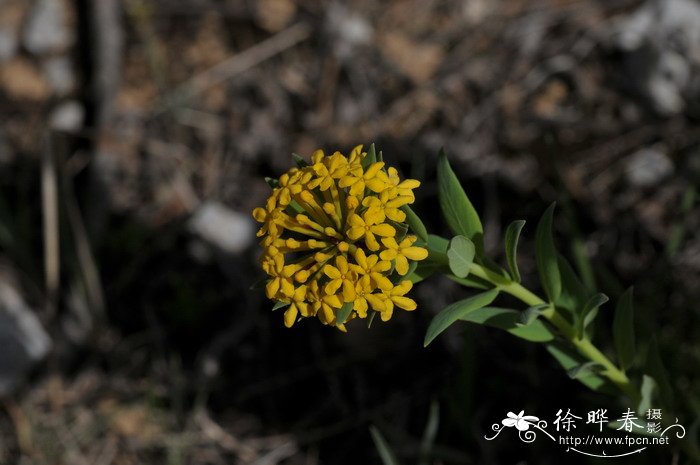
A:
[(415, 253), (375, 302), (373, 169), (290, 316), (260, 214), (401, 265), (384, 230), (348, 291), (332, 286), (332, 272), (355, 233), (404, 302)]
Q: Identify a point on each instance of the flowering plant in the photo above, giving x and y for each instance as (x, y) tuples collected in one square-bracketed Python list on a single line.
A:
[(339, 239)]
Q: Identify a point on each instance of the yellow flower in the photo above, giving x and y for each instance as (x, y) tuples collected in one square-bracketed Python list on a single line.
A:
[(396, 297), (370, 223), (340, 275), (329, 238), (298, 305), (402, 252), (373, 268)]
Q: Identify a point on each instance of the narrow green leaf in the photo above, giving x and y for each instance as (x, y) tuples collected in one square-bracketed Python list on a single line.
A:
[(423, 270), (280, 304), (272, 182), (370, 158), (385, 453), (456, 311), (460, 256), (507, 320), (371, 319), (569, 359), (299, 160), (623, 330), (530, 314), (583, 370), (655, 367), (343, 313), (512, 236), (437, 249), (590, 309), (458, 211), (415, 223), (647, 390), (546, 253), (259, 284), (470, 281), (573, 295), (429, 434)]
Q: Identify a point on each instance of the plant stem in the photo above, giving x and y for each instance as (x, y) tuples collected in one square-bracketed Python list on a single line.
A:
[(582, 344)]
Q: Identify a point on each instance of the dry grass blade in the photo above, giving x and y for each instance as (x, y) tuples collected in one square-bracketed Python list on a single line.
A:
[(237, 64), (49, 210)]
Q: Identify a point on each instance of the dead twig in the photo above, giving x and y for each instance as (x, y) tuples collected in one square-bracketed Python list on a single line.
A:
[(235, 65)]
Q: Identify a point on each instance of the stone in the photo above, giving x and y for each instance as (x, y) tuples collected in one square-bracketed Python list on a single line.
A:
[(23, 339), (60, 74), (647, 167), (46, 29), (222, 227), (67, 117)]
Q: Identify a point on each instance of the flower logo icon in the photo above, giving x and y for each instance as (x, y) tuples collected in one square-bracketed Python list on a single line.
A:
[(520, 421)]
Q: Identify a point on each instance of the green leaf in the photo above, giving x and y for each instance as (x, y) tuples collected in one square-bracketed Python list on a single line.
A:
[(299, 160), (655, 368), (415, 223), (437, 249), (429, 434), (569, 360), (423, 270), (623, 330), (385, 453), (512, 236), (470, 281), (272, 182), (547, 263), (343, 313), (530, 314), (589, 311), (585, 369), (458, 211), (280, 304), (647, 390), (370, 158), (457, 311), (507, 320), (460, 256), (371, 319), (259, 284), (573, 295)]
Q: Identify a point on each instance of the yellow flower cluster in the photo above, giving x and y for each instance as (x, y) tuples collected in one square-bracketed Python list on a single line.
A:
[(334, 239)]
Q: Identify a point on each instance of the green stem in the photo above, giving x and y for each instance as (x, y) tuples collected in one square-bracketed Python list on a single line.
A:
[(583, 344)]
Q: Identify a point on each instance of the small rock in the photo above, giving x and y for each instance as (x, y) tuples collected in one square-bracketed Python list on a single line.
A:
[(21, 79), (8, 44), (648, 167), (59, 72), (11, 15), (350, 30), (222, 227), (46, 29), (23, 340), (67, 117), (417, 60)]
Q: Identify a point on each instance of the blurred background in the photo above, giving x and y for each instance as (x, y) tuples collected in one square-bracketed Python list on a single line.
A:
[(134, 140)]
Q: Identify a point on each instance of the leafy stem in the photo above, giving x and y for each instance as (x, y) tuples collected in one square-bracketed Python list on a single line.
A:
[(583, 344)]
